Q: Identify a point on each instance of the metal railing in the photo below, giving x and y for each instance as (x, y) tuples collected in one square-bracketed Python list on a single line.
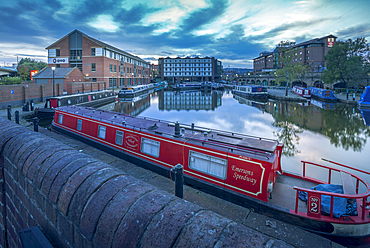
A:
[(362, 196)]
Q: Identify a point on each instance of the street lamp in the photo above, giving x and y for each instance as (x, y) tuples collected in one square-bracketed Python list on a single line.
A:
[(53, 69)]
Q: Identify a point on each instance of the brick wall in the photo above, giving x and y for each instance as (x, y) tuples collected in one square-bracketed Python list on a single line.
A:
[(73, 87), (78, 201), (18, 94)]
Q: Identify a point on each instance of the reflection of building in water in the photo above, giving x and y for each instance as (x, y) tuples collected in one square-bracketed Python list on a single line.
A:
[(323, 105), (189, 100), (257, 104), (133, 106)]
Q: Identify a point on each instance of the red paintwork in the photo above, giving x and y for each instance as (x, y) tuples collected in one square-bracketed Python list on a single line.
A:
[(301, 91), (248, 172)]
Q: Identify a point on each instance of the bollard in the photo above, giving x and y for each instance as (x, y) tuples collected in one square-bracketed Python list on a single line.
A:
[(35, 124), (9, 112), (32, 105), (17, 117), (27, 106), (179, 180)]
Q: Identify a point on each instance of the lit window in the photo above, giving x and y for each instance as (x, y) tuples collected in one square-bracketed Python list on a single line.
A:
[(150, 147), (101, 132), (119, 137), (79, 125), (60, 119), (208, 164)]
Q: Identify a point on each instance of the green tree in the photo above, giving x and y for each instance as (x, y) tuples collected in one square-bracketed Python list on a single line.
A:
[(26, 65), (289, 67), (155, 73), (347, 62)]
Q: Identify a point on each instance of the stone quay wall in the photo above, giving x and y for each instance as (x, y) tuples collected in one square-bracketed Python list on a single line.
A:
[(79, 201)]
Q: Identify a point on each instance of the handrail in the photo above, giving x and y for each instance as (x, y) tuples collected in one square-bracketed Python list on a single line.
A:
[(362, 196), (346, 166)]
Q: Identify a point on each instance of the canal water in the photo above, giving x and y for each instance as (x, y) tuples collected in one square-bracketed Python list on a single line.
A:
[(309, 131)]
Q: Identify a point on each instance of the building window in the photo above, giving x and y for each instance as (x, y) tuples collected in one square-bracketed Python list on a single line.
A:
[(119, 137), (110, 68), (94, 79), (79, 125), (60, 119), (115, 68), (150, 147), (101, 132), (308, 51), (308, 57), (58, 52), (93, 52), (93, 68), (208, 164)]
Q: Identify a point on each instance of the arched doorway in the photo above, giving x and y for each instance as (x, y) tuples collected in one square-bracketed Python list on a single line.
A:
[(318, 84), (264, 82)]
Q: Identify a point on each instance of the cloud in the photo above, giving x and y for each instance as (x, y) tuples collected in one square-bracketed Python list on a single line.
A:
[(353, 32)]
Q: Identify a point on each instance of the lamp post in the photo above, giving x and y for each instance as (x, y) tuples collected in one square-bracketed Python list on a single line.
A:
[(53, 69)]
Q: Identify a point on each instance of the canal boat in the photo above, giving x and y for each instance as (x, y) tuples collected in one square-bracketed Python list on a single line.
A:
[(191, 86), (323, 94), (252, 91), (132, 91), (364, 101), (301, 91), (47, 112), (240, 168)]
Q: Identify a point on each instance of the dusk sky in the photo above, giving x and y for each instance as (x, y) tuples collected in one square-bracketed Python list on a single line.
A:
[(233, 31)]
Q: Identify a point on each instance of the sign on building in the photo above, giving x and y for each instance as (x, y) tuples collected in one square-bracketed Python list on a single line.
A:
[(33, 72), (330, 42), (58, 60)]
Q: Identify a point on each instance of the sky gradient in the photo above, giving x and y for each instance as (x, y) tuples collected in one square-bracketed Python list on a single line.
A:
[(234, 31)]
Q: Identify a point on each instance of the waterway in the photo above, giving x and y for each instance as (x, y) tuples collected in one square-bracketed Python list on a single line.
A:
[(309, 131)]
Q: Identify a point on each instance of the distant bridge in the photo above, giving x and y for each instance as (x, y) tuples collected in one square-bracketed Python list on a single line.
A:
[(271, 80), (5, 71)]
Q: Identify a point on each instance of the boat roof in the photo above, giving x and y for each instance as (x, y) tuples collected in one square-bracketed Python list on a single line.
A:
[(81, 94), (239, 144)]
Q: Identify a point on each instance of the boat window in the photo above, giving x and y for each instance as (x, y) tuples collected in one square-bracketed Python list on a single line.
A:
[(150, 147), (101, 132), (60, 119), (79, 125), (119, 137), (208, 164)]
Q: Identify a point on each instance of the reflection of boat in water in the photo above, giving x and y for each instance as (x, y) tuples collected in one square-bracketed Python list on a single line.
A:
[(323, 94), (132, 91), (133, 105), (51, 103), (366, 116), (252, 91), (364, 101), (188, 86), (254, 103), (241, 168), (189, 100), (323, 105)]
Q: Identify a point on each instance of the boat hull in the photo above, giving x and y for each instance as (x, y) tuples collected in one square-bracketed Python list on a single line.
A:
[(323, 228)]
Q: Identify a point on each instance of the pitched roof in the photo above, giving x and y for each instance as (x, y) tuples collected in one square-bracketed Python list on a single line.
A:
[(105, 45), (58, 73)]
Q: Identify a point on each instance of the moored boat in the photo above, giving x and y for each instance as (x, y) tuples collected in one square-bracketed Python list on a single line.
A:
[(301, 91), (47, 112), (253, 91), (364, 101), (323, 94), (240, 168), (189, 86), (132, 91)]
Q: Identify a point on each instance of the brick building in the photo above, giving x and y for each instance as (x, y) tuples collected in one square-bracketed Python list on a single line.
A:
[(97, 60), (310, 52), (189, 69)]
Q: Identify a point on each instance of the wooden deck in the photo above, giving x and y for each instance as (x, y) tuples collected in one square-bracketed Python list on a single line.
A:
[(284, 195)]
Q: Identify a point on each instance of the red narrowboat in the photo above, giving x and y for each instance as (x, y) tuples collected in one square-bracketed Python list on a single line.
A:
[(242, 169), (301, 91)]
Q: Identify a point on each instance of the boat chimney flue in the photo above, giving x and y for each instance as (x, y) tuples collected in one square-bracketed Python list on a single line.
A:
[(192, 127), (177, 129)]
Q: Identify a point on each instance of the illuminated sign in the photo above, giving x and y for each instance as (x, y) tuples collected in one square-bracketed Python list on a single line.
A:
[(58, 60), (330, 42), (33, 72)]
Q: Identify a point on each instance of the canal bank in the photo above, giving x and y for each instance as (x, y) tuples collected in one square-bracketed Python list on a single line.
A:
[(281, 234)]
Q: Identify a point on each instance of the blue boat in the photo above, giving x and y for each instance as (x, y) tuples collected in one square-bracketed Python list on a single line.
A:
[(364, 101), (323, 94), (188, 86), (252, 91)]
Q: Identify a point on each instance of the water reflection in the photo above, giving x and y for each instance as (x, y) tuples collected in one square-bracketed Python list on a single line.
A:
[(343, 125), (365, 113), (189, 100), (134, 105), (261, 105)]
